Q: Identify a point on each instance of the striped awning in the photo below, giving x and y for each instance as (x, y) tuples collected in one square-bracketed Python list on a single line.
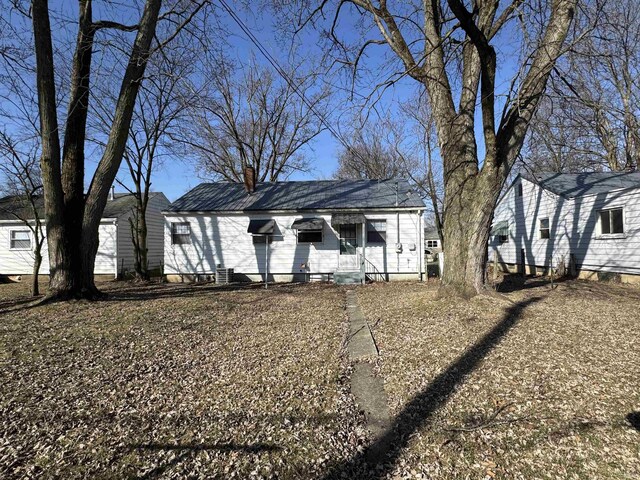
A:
[(308, 224), (261, 227), (338, 219)]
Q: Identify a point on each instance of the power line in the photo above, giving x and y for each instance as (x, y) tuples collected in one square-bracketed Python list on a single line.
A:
[(274, 63)]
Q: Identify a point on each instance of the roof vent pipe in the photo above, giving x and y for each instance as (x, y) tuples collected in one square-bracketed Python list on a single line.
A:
[(250, 179), (112, 194)]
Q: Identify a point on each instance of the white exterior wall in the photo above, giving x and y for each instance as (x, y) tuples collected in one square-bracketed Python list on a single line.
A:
[(574, 229), (610, 253), (155, 235), (20, 262), (223, 239)]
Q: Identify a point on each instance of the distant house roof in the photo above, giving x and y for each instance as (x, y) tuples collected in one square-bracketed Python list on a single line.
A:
[(431, 233), (16, 207), (578, 184), (298, 196)]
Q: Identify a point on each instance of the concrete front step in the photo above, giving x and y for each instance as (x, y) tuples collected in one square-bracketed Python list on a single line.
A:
[(348, 277)]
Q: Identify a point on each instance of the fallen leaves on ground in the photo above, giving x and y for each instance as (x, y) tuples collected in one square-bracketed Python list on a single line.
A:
[(549, 398), (176, 382)]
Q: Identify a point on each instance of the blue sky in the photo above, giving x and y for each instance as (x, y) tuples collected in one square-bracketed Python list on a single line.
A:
[(177, 176)]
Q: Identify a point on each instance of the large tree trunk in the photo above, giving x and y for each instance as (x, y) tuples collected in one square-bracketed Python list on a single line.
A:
[(112, 158), (73, 219), (467, 226), (470, 197), (62, 278)]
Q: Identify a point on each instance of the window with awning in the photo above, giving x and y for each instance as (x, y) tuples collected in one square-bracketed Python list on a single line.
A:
[(308, 224), (261, 227), (309, 229), (338, 219)]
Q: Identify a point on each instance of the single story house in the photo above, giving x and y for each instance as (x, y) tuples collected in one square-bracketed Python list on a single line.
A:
[(586, 223), (115, 251), (340, 230), (432, 243)]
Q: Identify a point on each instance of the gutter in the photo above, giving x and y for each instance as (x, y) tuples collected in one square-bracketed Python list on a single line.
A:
[(292, 212), (115, 271), (106, 220)]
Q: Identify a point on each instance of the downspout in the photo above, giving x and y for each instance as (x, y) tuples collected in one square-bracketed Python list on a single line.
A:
[(115, 272), (397, 232), (266, 261), (363, 267), (420, 246)]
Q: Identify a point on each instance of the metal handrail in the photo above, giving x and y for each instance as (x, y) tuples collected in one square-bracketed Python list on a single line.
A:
[(372, 271)]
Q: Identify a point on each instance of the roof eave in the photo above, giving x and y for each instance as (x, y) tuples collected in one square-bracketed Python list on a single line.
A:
[(295, 211)]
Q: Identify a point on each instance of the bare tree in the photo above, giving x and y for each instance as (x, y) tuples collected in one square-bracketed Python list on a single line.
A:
[(370, 155), (73, 217), (425, 171), (592, 120), (253, 117), (158, 116), (19, 165), (446, 46), (400, 144)]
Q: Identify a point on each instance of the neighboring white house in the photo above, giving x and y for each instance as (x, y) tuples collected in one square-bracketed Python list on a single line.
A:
[(296, 231), (115, 252), (432, 242), (587, 222)]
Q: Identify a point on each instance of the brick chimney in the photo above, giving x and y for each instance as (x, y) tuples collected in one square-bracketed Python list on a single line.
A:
[(250, 179)]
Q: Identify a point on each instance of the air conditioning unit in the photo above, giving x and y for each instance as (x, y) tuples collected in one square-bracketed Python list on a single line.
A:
[(224, 276)]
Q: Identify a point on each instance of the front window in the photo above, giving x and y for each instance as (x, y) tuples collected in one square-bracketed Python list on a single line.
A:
[(502, 233), (611, 221), (432, 244), (348, 239), (261, 239), (180, 233), (310, 236), (20, 240), (544, 228), (376, 231)]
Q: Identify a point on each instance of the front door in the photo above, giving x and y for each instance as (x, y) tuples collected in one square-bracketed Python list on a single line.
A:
[(348, 246)]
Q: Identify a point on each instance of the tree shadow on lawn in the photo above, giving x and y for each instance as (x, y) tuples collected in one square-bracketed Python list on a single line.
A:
[(380, 457), (514, 283), (158, 291), (20, 303), (188, 450), (634, 420)]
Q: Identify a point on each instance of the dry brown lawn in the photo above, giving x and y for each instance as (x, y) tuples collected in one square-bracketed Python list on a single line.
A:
[(167, 381), (541, 385), (171, 381)]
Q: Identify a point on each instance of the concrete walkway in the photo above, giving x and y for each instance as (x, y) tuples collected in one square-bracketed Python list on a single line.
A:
[(367, 388)]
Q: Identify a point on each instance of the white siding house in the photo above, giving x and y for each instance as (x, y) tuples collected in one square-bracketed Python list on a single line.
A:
[(589, 222), (298, 231), (432, 243), (115, 252)]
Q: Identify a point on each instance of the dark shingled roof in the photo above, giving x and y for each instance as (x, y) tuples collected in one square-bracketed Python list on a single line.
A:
[(431, 233), (298, 196), (578, 184), (17, 205)]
